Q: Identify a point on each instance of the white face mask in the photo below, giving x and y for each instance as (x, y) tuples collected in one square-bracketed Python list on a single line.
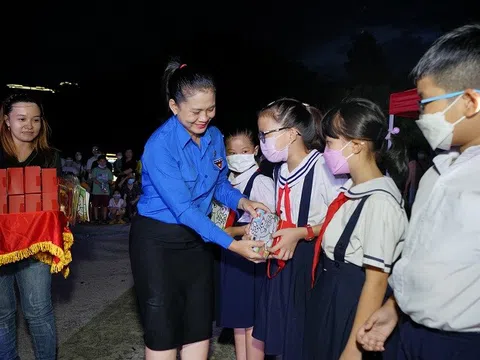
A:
[(241, 162), (437, 130)]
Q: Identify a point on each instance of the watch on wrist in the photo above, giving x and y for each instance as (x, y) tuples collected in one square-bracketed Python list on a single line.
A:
[(310, 233)]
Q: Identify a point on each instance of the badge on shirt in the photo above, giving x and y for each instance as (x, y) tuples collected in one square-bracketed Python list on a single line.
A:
[(218, 163)]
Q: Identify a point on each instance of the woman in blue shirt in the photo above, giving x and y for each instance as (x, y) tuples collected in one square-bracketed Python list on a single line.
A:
[(183, 168)]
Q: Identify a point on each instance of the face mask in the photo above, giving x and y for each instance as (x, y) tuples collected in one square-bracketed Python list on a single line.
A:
[(131, 181), (336, 162), (241, 162), (437, 130), (78, 157), (270, 151), (116, 196)]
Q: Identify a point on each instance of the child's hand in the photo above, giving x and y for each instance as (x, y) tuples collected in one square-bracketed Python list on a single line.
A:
[(289, 239), (373, 334)]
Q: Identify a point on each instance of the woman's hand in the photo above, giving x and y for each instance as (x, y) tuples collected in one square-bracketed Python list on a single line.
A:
[(287, 243), (251, 207), (245, 249)]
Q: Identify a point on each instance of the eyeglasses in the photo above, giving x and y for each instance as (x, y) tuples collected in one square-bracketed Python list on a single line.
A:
[(262, 135), (422, 103)]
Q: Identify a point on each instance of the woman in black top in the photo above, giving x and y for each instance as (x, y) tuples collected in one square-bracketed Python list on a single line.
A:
[(23, 142)]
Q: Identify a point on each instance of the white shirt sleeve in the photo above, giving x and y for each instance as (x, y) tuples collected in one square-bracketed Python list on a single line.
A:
[(384, 227), (263, 191), (111, 203)]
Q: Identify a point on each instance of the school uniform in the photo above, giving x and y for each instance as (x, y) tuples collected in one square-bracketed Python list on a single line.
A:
[(302, 197), (172, 266), (241, 280), (366, 228), (436, 283)]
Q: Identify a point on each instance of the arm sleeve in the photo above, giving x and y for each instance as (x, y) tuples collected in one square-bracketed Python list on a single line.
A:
[(264, 191), (167, 180), (384, 225)]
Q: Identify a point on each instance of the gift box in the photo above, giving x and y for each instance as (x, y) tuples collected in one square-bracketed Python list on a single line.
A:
[(3, 182), (33, 180), (3, 204), (33, 202), (49, 181), (50, 201), (15, 181), (16, 204)]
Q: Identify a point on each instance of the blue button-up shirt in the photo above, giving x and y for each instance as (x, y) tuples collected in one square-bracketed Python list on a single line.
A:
[(180, 178)]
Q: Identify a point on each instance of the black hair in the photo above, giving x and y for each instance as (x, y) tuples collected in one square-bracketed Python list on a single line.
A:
[(243, 132), (453, 61), (295, 114), (362, 119), (181, 81), (101, 157)]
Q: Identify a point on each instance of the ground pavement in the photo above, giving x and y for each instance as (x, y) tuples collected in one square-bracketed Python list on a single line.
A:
[(95, 307)]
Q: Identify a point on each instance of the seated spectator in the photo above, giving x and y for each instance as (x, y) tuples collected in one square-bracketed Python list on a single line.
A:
[(116, 208), (131, 191)]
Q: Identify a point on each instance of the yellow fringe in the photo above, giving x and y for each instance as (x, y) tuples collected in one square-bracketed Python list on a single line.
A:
[(45, 251)]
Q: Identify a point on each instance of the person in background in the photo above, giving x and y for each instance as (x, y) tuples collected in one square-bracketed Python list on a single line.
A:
[(129, 164), (24, 142), (116, 208), (102, 178), (78, 163), (92, 159), (117, 165), (183, 167), (436, 282), (69, 167), (131, 191), (241, 280)]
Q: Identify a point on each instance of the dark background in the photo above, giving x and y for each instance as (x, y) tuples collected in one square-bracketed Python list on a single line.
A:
[(318, 52)]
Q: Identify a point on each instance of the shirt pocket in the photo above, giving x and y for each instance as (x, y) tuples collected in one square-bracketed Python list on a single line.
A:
[(190, 176)]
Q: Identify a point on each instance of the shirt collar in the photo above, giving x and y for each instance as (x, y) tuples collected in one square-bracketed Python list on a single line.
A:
[(245, 176), (444, 162), (300, 171), (384, 185), (184, 137)]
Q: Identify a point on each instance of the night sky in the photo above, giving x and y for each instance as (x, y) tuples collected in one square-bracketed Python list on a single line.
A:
[(258, 50)]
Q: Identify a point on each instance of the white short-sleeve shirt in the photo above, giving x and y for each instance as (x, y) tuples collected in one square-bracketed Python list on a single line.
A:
[(116, 205), (437, 280), (377, 239), (263, 189), (325, 188)]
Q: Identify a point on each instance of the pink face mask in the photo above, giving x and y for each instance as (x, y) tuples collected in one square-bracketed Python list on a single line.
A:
[(336, 162), (270, 151)]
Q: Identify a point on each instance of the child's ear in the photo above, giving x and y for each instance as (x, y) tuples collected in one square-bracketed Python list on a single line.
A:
[(255, 152), (473, 103)]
